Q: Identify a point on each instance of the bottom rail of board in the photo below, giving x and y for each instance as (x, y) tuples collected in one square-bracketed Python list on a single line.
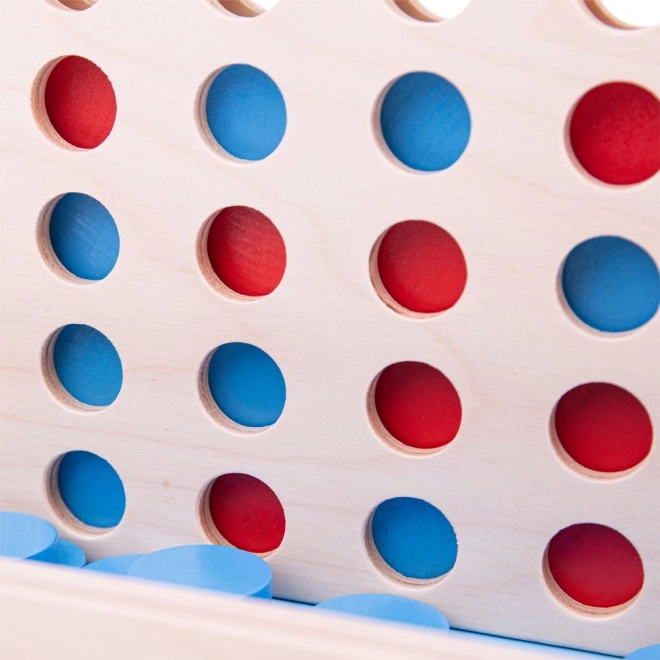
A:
[(59, 612)]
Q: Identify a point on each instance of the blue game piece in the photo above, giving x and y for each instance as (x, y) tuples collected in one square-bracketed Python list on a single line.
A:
[(646, 653), (62, 552), (84, 236), (118, 565), (245, 112), (247, 385), (414, 538), (611, 284), (22, 536), (425, 121), (91, 489), (215, 567), (388, 608)]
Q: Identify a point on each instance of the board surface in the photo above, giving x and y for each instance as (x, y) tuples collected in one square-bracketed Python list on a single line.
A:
[(514, 201)]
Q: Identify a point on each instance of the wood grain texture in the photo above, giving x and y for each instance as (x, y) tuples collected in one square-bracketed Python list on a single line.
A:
[(515, 202)]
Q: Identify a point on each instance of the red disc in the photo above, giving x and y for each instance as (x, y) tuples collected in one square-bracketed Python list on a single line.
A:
[(595, 565), (603, 427), (246, 251), (615, 133), (418, 405), (421, 266), (80, 102), (247, 513)]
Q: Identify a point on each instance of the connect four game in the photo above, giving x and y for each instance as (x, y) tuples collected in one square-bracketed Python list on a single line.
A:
[(367, 292)]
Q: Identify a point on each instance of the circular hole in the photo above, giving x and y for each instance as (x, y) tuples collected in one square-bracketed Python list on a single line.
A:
[(248, 8), (418, 267), (593, 568), (414, 407), (243, 112), (614, 132), (242, 251), (425, 121), (626, 13), (78, 238), (242, 511), (603, 428), (75, 102), (242, 387), (87, 492), (76, 5), (611, 284), (411, 541), (82, 368), (432, 10)]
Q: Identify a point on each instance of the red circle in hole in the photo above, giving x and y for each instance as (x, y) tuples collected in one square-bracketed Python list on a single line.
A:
[(421, 266), (247, 513), (80, 102), (417, 405), (595, 565), (615, 133), (246, 251), (603, 427)]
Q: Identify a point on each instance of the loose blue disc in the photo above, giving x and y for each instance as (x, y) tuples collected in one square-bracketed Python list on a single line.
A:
[(647, 653), (118, 565), (62, 552), (22, 536), (215, 567)]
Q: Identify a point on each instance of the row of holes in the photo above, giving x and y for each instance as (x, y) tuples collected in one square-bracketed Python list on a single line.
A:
[(422, 120), (599, 429), (616, 13), (589, 567), (418, 269)]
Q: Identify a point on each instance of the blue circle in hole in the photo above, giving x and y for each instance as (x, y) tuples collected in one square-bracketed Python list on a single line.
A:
[(91, 489), (23, 536), (247, 385), (414, 538), (87, 365), (84, 236), (245, 112), (611, 284), (425, 121)]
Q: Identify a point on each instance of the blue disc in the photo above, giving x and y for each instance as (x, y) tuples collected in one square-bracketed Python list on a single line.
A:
[(23, 536), (84, 236), (91, 489), (215, 567), (118, 565), (389, 608), (62, 552), (425, 121), (88, 365), (647, 653), (245, 112), (414, 538), (611, 284), (247, 385)]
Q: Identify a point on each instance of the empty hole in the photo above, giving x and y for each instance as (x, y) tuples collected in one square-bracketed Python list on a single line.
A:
[(418, 267), (85, 489), (411, 541), (242, 387), (76, 5), (243, 112), (248, 8), (242, 511), (603, 428), (243, 249), (415, 406), (82, 367), (593, 568), (615, 131), (425, 121), (75, 102), (611, 284), (432, 10), (79, 237), (626, 13)]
